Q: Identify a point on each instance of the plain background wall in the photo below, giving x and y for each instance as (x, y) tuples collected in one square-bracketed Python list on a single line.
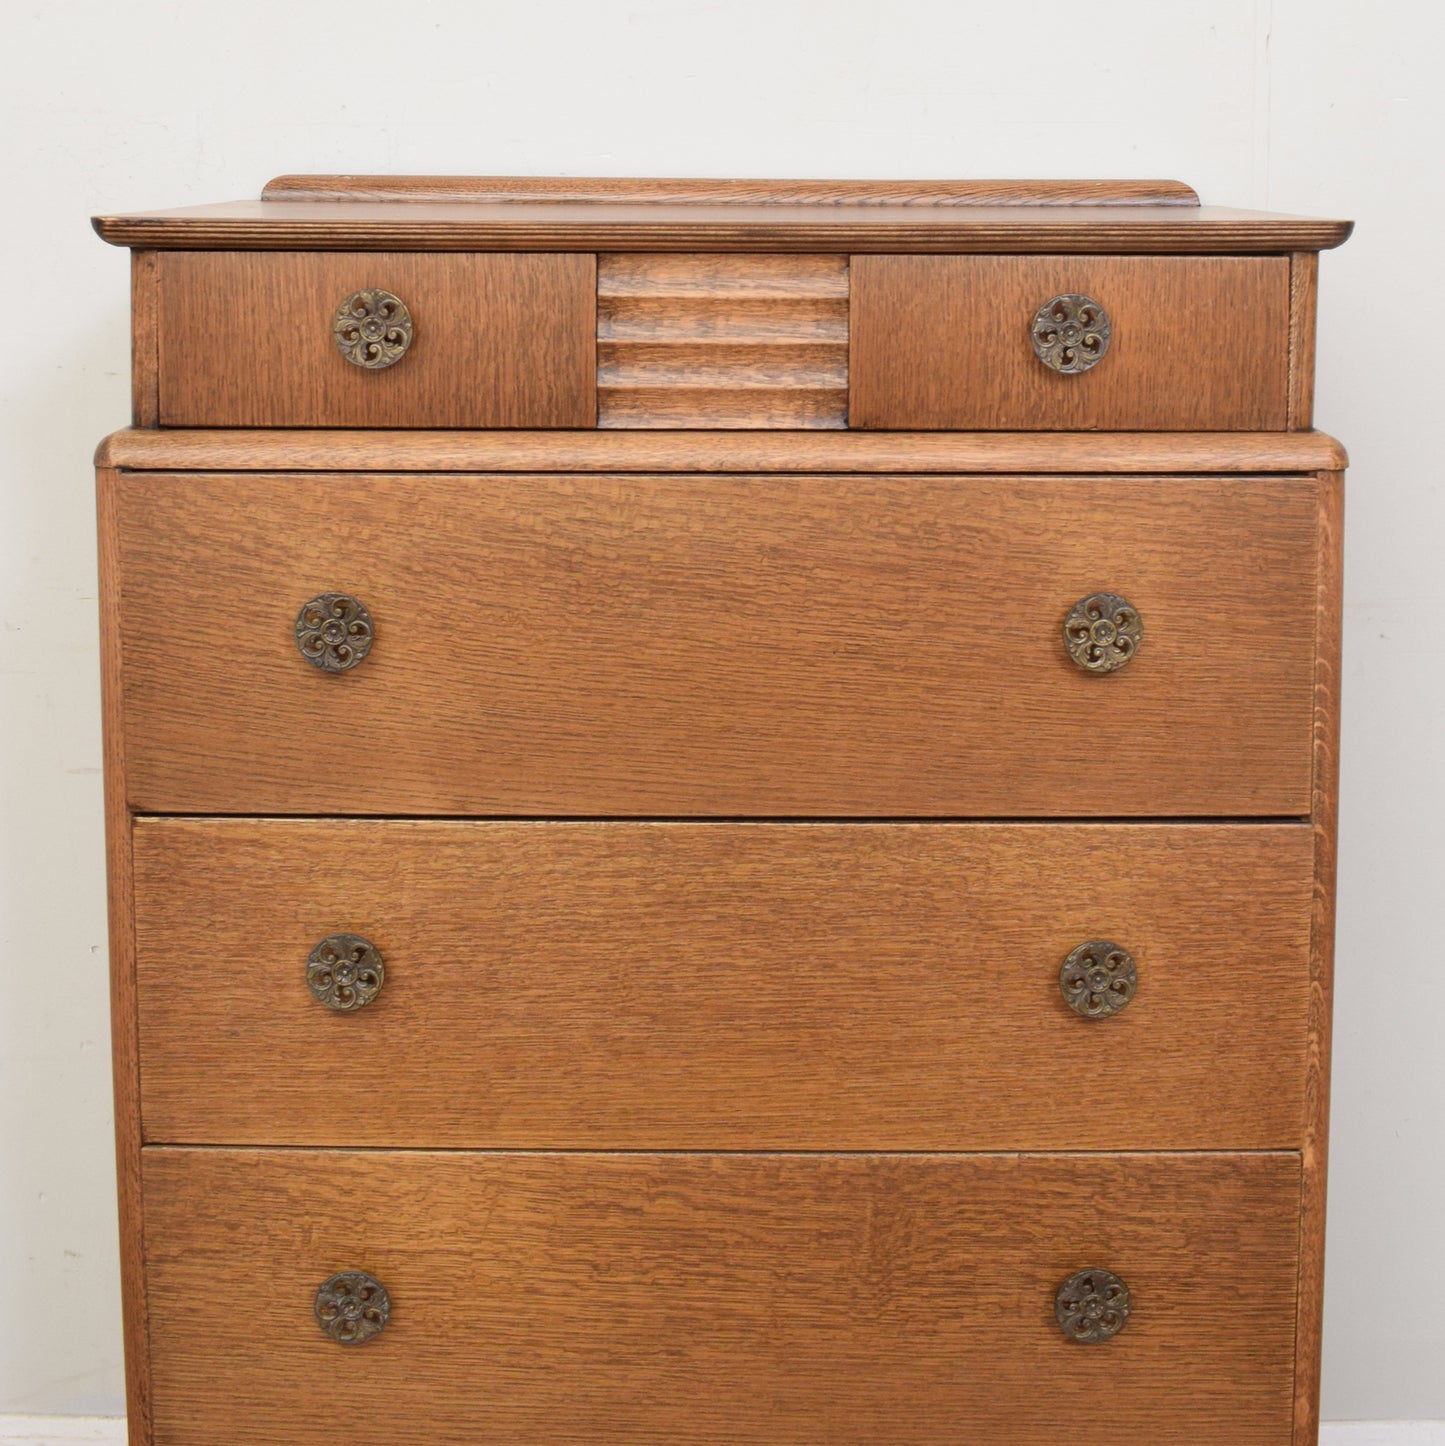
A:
[(1308, 105)]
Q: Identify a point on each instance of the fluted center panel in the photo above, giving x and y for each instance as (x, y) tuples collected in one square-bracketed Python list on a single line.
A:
[(722, 341)]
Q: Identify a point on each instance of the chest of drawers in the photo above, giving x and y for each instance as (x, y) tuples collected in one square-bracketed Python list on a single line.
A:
[(721, 814)]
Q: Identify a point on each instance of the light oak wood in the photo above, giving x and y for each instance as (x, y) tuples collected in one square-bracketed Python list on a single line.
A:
[(722, 341), (712, 451), (500, 341), (735, 192), (686, 1299), (1303, 289), (580, 629), (391, 225), (1199, 343), (721, 646), (145, 369), (1324, 813), (739, 986), (125, 1044)]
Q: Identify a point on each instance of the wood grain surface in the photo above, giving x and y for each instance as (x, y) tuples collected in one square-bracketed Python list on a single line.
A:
[(723, 986), (713, 191), (722, 341), (579, 630), (882, 1301), (390, 225), (124, 1035), (144, 339), (1325, 817), (1198, 343), (723, 646), (713, 451), (500, 341), (1303, 291)]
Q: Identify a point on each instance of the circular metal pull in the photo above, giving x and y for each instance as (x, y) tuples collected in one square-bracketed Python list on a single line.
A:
[(1092, 1306), (345, 971), (1103, 631), (334, 632), (352, 1307), (1070, 333), (1098, 979), (372, 329)]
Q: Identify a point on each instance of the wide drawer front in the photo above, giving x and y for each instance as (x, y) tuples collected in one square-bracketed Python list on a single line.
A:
[(681, 1298), (376, 339), (705, 986), (1066, 343), (718, 645)]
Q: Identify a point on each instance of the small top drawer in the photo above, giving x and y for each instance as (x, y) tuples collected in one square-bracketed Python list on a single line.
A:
[(284, 339), (1069, 343)]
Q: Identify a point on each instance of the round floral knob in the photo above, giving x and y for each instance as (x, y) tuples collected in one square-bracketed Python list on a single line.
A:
[(334, 632), (352, 1307), (1070, 333), (1092, 1306), (372, 329), (1098, 979), (345, 971), (1102, 632)]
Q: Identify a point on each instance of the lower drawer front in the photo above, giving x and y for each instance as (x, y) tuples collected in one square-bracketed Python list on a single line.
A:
[(724, 646), (734, 1298), (724, 986)]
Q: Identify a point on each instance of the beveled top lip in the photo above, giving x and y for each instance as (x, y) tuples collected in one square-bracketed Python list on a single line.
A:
[(201, 450), (416, 213)]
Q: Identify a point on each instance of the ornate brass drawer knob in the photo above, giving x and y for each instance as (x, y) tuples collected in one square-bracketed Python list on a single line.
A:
[(334, 632), (1070, 333), (352, 1307), (1098, 979), (372, 329), (1102, 632), (345, 971), (1092, 1306)]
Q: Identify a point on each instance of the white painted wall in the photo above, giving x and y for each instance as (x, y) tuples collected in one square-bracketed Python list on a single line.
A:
[(1313, 105)]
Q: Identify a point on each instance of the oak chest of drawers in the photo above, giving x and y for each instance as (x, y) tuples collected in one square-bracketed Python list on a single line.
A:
[(721, 808)]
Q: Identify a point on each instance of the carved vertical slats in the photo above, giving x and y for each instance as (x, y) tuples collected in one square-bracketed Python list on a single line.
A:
[(722, 341)]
